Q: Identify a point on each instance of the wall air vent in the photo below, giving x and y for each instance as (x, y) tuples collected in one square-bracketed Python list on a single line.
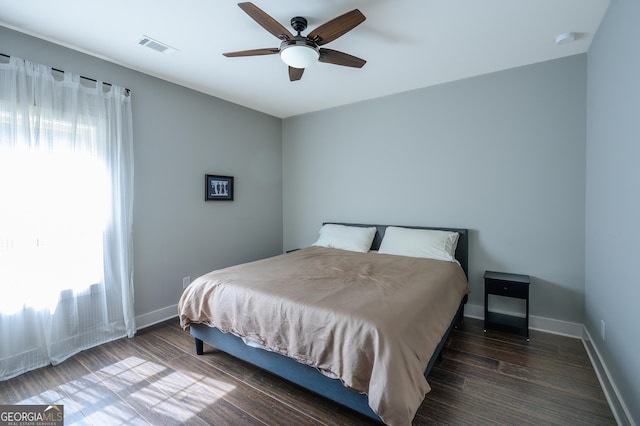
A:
[(156, 45)]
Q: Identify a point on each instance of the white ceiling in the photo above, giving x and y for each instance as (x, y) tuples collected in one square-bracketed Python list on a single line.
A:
[(408, 44)]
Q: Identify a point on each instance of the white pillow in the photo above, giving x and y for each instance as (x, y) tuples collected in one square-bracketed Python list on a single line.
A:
[(353, 238), (429, 243)]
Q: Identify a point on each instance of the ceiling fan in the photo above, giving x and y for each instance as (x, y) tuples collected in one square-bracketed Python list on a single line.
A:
[(299, 51)]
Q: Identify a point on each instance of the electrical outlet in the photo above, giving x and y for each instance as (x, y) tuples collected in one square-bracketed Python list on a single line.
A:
[(602, 330), (185, 282)]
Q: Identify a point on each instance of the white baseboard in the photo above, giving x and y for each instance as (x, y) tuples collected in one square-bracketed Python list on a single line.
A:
[(151, 318), (548, 325), (611, 392)]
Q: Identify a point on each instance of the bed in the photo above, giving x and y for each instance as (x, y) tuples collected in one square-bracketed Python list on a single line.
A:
[(360, 326)]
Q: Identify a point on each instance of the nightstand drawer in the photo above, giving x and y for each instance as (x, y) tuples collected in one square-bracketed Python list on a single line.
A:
[(507, 288)]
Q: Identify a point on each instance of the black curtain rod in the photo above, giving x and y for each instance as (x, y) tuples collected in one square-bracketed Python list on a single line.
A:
[(86, 78)]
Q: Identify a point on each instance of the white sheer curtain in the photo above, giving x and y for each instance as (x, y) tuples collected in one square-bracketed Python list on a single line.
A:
[(66, 197)]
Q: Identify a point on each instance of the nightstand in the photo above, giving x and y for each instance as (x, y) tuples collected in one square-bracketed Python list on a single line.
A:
[(508, 285)]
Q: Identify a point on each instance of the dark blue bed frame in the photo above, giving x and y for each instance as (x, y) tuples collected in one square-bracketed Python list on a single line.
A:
[(307, 376)]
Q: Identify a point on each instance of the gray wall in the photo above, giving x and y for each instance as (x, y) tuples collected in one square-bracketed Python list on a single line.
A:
[(179, 135), (502, 154), (612, 202)]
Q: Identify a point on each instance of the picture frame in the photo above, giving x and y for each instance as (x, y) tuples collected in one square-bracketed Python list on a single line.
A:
[(218, 188)]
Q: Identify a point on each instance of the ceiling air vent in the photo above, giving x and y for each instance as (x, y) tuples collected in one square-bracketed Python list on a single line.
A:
[(155, 45)]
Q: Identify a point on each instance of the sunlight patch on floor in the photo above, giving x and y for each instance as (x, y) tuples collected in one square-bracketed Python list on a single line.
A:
[(124, 392)]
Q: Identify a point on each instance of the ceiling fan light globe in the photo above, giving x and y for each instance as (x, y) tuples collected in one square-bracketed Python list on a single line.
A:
[(299, 55)]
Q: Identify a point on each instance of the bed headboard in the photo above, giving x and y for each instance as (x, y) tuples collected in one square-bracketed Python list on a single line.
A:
[(462, 250)]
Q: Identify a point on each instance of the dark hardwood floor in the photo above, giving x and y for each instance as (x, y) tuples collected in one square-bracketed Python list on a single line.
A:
[(156, 378)]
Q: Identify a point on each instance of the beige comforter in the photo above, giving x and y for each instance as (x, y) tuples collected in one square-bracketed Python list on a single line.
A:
[(372, 320)]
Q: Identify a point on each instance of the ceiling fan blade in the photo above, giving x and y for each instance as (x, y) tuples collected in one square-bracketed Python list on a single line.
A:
[(266, 21), (253, 52), (330, 56), (295, 74), (336, 27)]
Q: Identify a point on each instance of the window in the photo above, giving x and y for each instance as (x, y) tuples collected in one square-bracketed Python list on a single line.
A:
[(66, 185), (54, 217)]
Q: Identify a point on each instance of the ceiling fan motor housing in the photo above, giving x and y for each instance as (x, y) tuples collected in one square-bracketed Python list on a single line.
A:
[(299, 24)]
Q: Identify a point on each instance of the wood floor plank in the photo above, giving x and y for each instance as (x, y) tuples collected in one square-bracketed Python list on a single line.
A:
[(523, 392), (155, 378), (172, 416), (502, 351), (219, 412), (158, 348), (211, 381), (472, 407), (307, 402), (590, 390), (100, 405), (471, 359), (174, 336), (36, 383), (431, 412), (540, 403)]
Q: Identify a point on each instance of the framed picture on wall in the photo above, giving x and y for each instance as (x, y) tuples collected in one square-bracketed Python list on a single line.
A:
[(218, 188)]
